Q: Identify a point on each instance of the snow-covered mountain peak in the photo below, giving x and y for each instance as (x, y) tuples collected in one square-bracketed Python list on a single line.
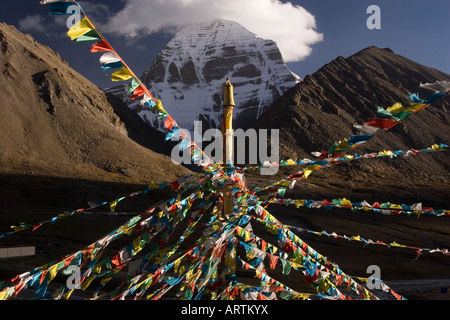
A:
[(189, 73)]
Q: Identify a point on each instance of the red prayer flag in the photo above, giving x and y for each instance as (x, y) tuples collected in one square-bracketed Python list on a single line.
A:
[(273, 259), (169, 123), (101, 46), (139, 91), (381, 123)]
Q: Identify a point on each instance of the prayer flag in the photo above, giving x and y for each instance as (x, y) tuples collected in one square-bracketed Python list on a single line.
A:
[(113, 65), (82, 27), (101, 46), (52, 1), (60, 8), (108, 58), (159, 106), (133, 86), (139, 91), (122, 74), (381, 123), (90, 36)]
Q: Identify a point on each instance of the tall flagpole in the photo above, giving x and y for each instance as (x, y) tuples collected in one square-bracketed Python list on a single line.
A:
[(227, 133)]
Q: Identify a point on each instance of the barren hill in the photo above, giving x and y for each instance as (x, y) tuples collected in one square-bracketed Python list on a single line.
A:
[(56, 123), (323, 108)]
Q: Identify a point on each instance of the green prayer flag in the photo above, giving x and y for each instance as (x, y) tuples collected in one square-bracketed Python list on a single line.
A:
[(287, 266)]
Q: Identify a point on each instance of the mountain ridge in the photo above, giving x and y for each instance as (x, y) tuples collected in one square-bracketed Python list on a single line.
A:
[(55, 122), (189, 72), (325, 106)]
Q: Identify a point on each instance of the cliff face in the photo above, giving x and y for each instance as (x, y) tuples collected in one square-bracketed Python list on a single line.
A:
[(54, 122), (189, 73), (322, 110)]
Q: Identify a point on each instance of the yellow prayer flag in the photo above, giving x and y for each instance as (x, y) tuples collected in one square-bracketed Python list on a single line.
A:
[(346, 202), (299, 203), (395, 244), (122, 74), (396, 108), (137, 244), (97, 268), (176, 265), (53, 271), (247, 236), (3, 295), (291, 162), (87, 282), (68, 294), (159, 106), (112, 206), (153, 186), (80, 28), (182, 270), (310, 169), (303, 296)]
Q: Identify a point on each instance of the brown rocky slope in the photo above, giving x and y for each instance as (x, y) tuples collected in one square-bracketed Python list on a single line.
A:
[(54, 122), (323, 108)]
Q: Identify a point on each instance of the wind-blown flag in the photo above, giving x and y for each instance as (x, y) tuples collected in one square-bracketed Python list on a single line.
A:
[(52, 1), (101, 46), (381, 123), (122, 74), (110, 60), (139, 91), (60, 8), (440, 86), (83, 31)]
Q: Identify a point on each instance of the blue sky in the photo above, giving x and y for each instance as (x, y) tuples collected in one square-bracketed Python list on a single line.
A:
[(416, 29)]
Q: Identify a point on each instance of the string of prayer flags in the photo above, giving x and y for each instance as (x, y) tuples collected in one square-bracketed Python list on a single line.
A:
[(386, 208), (206, 267), (84, 30), (438, 86), (369, 241), (53, 1)]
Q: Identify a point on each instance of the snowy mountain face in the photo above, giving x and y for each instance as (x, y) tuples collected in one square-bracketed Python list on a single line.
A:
[(189, 73)]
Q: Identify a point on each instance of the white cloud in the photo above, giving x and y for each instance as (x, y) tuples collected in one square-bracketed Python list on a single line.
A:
[(290, 26), (32, 23)]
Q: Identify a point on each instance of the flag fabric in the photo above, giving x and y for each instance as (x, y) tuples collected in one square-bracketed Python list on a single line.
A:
[(109, 57), (82, 27), (122, 74), (60, 8), (381, 123), (139, 91), (90, 36), (101, 46), (110, 60), (52, 1), (113, 65), (133, 86)]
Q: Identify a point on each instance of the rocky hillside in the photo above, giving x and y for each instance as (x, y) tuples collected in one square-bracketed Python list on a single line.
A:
[(56, 123), (322, 110), (189, 73)]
